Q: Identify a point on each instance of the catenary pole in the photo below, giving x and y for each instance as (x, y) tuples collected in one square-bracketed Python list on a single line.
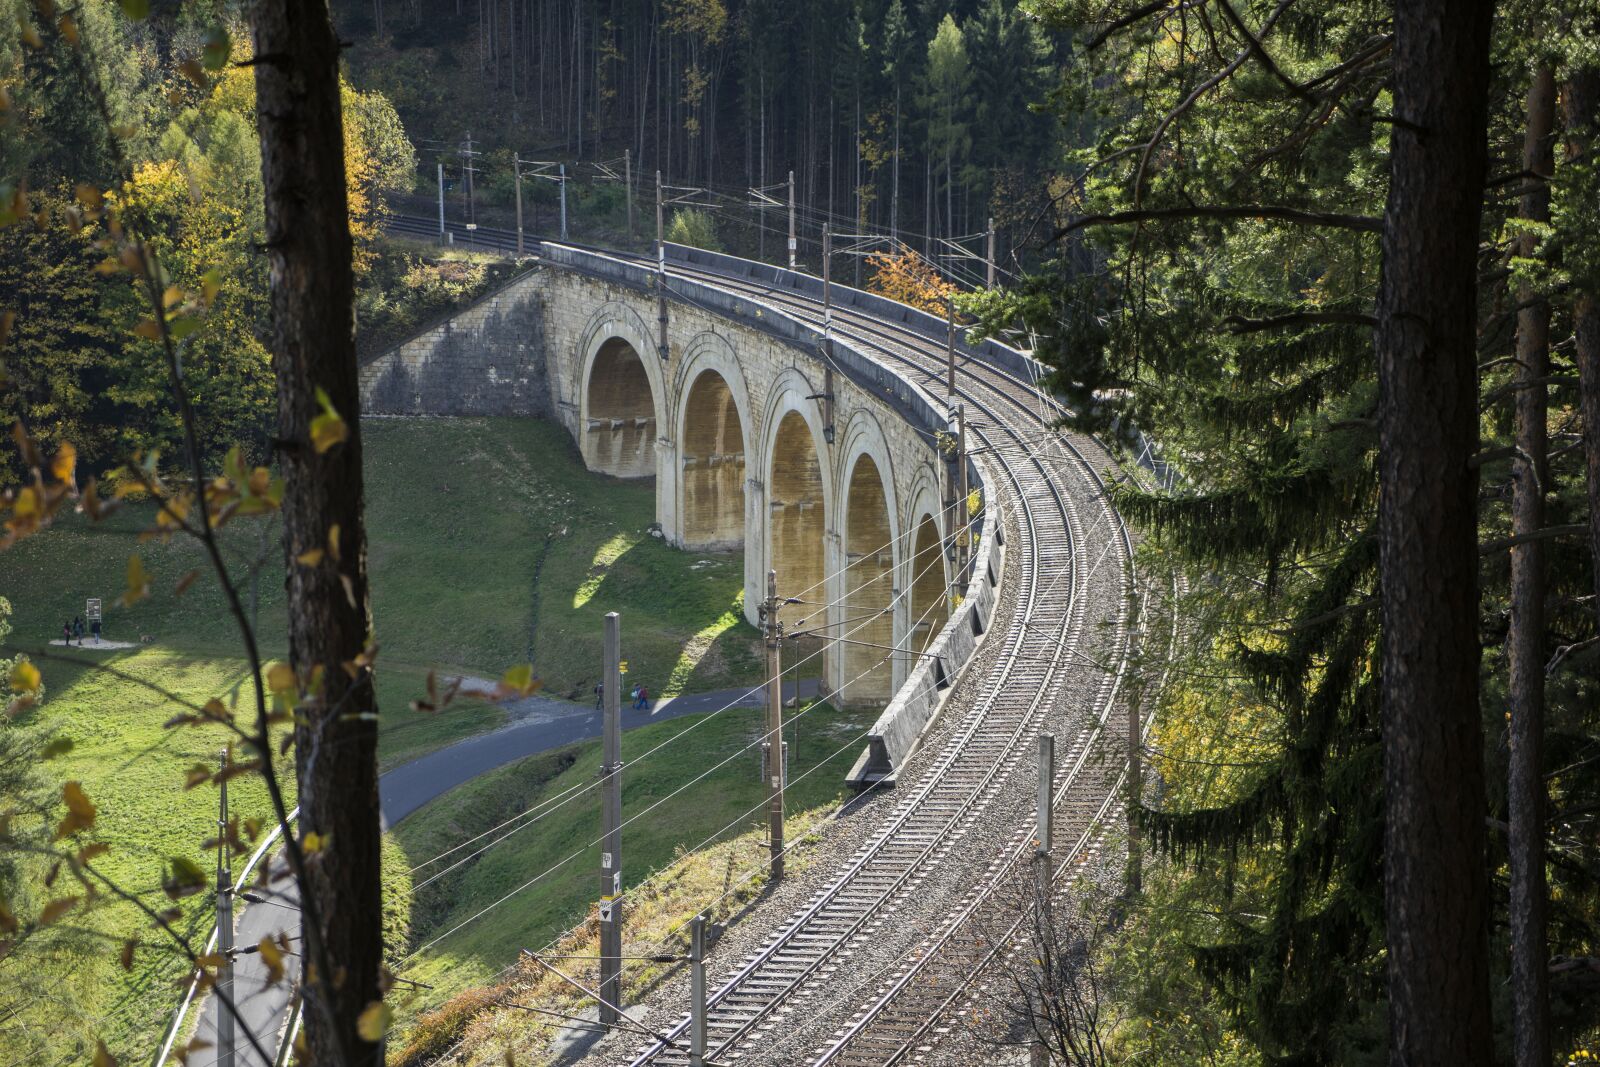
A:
[(774, 745), (627, 186), (792, 245), (950, 346), (988, 257), (563, 201), (661, 272), (1044, 825), (827, 281), (963, 519), (697, 991), (611, 814), (225, 1001), (441, 203), (516, 162)]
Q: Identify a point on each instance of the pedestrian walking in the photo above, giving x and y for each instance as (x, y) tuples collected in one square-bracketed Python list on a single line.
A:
[(77, 628), (94, 628), (599, 696), (66, 633), (643, 695)]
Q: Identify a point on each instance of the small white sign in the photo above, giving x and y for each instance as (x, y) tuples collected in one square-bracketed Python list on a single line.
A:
[(605, 861), (605, 911), (616, 884), (91, 608)]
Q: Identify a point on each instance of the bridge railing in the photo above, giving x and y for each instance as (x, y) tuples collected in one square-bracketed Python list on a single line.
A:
[(1013, 361), (921, 410)]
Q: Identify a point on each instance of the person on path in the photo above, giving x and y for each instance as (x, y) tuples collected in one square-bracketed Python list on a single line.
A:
[(644, 699), (599, 696), (94, 628), (77, 628), (66, 633)]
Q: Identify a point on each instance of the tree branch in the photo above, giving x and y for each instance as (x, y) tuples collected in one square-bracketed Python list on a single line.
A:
[(1490, 547), (1272, 212), (1239, 324)]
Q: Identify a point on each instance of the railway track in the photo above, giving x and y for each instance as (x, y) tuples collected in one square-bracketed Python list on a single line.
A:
[(1058, 668)]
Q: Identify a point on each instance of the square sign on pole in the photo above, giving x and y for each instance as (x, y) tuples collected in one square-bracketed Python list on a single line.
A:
[(91, 609)]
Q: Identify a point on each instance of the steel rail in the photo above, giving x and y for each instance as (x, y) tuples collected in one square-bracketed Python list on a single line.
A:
[(901, 345), (935, 777)]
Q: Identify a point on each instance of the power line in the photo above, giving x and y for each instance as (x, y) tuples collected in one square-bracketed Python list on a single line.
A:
[(764, 737)]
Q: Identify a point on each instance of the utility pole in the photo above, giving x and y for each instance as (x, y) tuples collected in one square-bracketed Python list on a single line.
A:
[(988, 257), (516, 163), (1041, 855), (963, 512), (627, 186), (661, 272), (950, 345), (563, 180), (224, 929), (468, 154), (827, 281), (611, 814), (774, 745), (792, 245), (697, 991), (441, 203), (1044, 923)]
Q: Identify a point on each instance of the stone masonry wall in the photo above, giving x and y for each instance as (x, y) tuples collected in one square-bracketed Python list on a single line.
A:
[(487, 360)]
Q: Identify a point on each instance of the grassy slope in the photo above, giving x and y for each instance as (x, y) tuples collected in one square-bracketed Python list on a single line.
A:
[(456, 510), (822, 741)]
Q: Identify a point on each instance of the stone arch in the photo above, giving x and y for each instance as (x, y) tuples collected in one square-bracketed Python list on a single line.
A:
[(870, 602), (927, 565), (712, 430), (621, 394), (799, 489)]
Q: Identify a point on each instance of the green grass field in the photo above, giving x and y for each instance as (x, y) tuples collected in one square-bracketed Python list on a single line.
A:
[(823, 743), (458, 514)]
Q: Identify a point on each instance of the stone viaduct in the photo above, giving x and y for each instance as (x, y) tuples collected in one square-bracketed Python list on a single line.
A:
[(758, 433)]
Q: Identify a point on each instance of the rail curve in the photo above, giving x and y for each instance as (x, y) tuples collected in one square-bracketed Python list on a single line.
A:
[(863, 970)]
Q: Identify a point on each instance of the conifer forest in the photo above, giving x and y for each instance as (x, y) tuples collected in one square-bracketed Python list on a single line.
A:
[(1100, 500)]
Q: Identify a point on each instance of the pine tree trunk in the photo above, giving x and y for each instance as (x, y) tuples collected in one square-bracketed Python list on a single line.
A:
[(1435, 881), (1526, 792), (1582, 107), (313, 350)]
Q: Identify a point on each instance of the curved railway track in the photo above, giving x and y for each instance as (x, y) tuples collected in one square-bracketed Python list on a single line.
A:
[(1058, 668)]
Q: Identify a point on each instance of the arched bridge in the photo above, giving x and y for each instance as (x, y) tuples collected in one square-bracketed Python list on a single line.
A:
[(817, 436), (826, 467)]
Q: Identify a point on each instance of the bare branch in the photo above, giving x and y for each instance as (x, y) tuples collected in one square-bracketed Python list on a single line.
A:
[(1275, 213)]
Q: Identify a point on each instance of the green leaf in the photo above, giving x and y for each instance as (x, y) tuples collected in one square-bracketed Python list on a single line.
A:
[(217, 48)]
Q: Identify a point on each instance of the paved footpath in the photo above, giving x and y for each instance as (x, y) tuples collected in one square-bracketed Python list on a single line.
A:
[(538, 724)]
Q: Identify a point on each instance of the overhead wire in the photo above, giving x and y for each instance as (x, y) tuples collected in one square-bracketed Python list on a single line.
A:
[(765, 736)]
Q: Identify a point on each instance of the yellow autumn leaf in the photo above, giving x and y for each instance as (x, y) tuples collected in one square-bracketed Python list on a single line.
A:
[(281, 679), (333, 542), (65, 461), (309, 558), (138, 583), (328, 428), (80, 810), (272, 956), (25, 677), (374, 1021), (314, 842)]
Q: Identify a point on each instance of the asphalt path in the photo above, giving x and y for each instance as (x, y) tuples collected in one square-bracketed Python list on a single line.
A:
[(537, 724)]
